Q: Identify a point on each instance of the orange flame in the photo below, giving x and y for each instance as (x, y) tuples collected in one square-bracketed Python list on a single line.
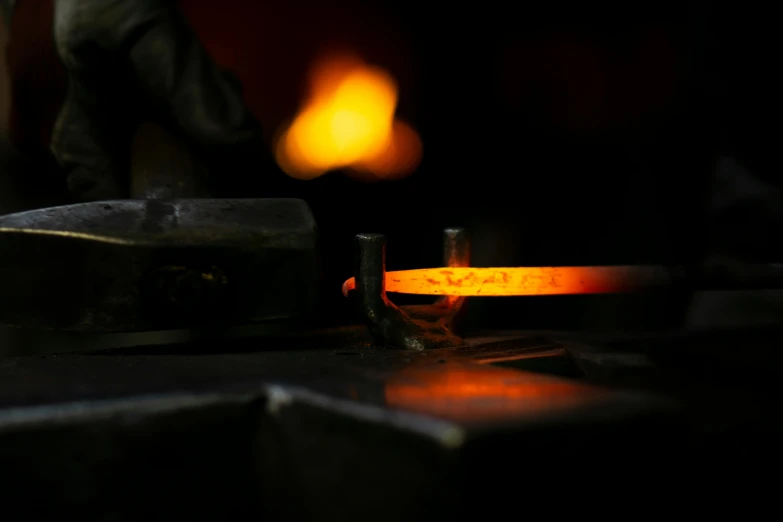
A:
[(348, 122), (562, 280)]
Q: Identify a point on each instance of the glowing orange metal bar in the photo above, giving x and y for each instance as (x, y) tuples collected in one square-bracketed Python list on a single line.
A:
[(563, 280)]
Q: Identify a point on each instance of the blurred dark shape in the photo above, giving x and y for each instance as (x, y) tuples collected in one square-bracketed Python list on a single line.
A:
[(745, 213)]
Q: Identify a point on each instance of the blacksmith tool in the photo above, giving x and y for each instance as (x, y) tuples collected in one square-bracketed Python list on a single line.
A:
[(424, 327), (411, 327), (170, 261)]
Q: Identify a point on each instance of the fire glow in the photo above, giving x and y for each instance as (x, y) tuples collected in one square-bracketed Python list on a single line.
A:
[(347, 122), (519, 281)]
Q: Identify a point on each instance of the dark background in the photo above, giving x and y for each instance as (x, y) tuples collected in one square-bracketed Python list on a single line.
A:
[(557, 132), (562, 134)]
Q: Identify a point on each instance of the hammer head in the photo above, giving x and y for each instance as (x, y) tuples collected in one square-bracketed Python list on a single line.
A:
[(134, 265)]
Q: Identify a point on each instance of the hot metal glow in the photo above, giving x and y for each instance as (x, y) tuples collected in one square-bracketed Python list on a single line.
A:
[(348, 122), (470, 281)]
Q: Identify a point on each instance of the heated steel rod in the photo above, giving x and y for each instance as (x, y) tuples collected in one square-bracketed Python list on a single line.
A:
[(520, 281)]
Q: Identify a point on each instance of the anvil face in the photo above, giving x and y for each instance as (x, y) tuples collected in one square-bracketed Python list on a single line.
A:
[(151, 265), (320, 426)]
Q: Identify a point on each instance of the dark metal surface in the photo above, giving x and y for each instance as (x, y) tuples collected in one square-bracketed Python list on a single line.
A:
[(326, 426), (150, 265), (319, 427), (411, 327)]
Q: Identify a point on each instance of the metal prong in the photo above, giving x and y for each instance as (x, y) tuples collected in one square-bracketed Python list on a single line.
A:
[(456, 253), (456, 247), (388, 324), (370, 274)]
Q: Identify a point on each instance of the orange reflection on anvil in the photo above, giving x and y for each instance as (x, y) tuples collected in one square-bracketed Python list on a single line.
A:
[(471, 392)]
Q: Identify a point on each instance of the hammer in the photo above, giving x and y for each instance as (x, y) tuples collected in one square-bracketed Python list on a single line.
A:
[(170, 258)]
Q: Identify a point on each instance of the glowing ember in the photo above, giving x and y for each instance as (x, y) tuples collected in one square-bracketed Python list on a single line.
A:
[(348, 122), (520, 281)]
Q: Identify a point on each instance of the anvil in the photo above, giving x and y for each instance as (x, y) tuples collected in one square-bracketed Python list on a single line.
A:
[(171, 259)]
